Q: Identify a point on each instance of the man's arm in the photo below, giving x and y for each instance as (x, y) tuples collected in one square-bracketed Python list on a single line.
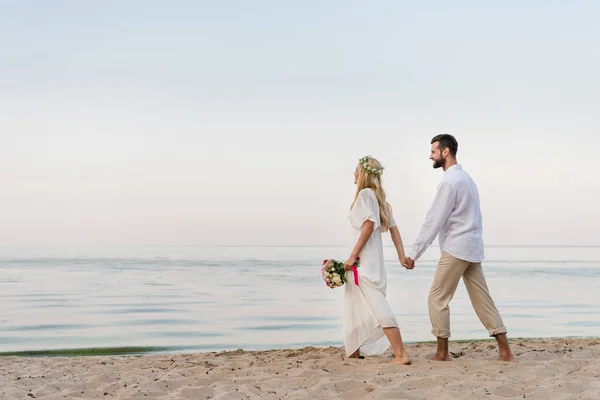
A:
[(438, 213)]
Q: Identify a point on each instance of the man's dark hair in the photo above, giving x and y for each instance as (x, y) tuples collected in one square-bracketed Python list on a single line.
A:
[(446, 142)]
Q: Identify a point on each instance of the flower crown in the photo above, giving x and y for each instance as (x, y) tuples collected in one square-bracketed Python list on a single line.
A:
[(369, 170)]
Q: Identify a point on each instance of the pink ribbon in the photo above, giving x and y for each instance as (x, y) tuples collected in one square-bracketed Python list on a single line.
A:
[(355, 275)]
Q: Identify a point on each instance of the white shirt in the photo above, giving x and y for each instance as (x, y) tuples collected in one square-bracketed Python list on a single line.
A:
[(454, 216)]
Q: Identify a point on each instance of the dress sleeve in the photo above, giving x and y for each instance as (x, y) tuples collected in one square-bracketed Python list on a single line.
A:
[(392, 221), (365, 208)]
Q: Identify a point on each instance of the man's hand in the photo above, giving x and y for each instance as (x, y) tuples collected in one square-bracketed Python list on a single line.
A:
[(407, 262)]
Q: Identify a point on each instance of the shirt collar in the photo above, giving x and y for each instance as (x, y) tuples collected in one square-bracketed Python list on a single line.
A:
[(455, 166)]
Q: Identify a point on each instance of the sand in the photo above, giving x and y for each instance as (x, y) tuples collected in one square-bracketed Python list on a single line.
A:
[(546, 369)]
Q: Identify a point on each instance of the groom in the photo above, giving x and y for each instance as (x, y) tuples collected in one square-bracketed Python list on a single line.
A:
[(455, 217)]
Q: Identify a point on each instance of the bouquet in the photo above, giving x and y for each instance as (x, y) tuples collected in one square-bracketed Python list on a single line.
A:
[(334, 275)]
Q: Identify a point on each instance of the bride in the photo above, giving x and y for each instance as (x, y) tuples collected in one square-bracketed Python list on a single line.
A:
[(369, 323)]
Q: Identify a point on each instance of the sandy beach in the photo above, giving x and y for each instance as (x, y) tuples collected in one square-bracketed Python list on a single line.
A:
[(546, 369)]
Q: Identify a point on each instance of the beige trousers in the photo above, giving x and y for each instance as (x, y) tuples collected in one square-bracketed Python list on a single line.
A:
[(449, 271)]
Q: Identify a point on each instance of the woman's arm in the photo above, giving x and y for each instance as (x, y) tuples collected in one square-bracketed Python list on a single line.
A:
[(397, 239), (365, 233)]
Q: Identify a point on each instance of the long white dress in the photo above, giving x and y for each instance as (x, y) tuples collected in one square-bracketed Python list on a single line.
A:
[(366, 310)]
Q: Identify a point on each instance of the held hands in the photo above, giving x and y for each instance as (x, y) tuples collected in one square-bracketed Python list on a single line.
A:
[(407, 262)]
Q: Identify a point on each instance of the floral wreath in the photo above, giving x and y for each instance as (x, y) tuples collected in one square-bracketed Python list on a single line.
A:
[(372, 171)]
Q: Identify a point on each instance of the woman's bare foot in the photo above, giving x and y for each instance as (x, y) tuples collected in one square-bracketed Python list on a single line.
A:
[(395, 338), (402, 360), (356, 354)]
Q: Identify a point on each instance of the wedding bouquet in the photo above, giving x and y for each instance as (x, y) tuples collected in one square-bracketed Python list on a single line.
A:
[(334, 275)]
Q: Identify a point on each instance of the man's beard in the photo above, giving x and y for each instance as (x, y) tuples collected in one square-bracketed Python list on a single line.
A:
[(439, 163)]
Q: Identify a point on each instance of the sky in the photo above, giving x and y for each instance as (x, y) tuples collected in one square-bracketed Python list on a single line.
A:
[(223, 123)]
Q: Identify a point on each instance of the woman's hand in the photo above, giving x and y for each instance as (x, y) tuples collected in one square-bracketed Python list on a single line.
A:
[(349, 263), (407, 262)]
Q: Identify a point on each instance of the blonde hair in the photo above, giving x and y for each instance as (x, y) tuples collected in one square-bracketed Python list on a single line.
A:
[(367, 179)]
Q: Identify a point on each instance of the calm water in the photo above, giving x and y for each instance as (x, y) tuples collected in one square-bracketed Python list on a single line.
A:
[(205, 299)]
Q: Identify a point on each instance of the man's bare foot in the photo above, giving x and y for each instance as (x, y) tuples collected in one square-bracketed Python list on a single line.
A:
[(440, 357), (504, 348), (404, 360), (507, 357), (442, 353)]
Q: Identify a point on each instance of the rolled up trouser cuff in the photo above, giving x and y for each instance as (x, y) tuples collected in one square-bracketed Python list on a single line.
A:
[(497, 331), (441, 333)]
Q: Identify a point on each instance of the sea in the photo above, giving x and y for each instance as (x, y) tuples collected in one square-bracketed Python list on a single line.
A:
[(201, 299)]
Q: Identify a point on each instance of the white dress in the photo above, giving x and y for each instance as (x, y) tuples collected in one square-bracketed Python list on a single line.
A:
[(366, 310)]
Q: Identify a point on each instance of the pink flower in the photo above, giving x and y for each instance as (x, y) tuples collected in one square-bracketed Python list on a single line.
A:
[(323, 273)]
